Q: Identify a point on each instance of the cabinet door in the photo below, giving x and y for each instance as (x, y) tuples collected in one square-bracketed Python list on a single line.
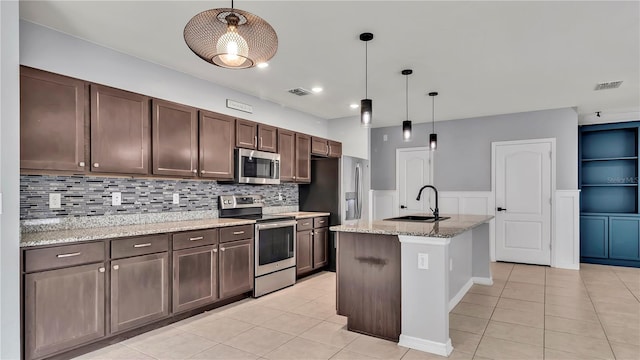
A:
[(175, 139), (139, 291), (236, 267), (319, 146), (195, 277), (335, 149), (304, 251), (119, 131), (63, 308), (303, 158), (287, 150), (624, 236), (267, 138), (246, 134), (216, 145), (594, 236), (320, 244), (52, 121)]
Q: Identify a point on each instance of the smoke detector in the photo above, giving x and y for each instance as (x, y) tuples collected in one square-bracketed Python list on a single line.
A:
[(608, 85), (300, 91)]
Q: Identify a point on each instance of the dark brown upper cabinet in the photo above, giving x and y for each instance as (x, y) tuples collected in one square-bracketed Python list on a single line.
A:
[(267, 138), (319, 146), (52, 121), (246, 134), (119, 131), (303, 158), (335, 149), (287, 150), (174, 129), (216, 145)]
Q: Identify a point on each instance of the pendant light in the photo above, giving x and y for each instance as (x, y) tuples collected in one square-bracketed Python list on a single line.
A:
[(366, 105), (433, 137), (406, 125), (231, 38)]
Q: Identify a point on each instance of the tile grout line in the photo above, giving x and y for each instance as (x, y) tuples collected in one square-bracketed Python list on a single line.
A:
[(626, 286), (598, 316)]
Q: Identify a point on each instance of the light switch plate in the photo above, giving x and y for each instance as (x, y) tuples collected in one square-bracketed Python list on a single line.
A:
[(176, 199), (116, 199), (423, 261), (55, 201)]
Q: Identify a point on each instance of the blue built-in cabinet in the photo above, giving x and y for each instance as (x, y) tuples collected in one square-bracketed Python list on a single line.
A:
[(609, 206)]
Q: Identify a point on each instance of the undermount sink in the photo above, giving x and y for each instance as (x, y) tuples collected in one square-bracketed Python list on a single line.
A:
[(418, 218)]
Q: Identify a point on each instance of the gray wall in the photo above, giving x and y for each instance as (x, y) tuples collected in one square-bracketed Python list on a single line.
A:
[(463, 158), (9, 180)]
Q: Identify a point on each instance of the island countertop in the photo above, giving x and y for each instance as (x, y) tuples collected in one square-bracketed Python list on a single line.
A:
[(448, 228)]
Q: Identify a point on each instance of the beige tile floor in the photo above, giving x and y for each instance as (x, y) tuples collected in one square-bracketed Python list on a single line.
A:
[(531, 312)]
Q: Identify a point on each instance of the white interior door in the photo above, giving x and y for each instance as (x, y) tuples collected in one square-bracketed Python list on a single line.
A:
[(413, 168), (523, 185)]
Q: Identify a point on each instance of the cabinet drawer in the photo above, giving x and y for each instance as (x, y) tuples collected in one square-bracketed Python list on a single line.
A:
[(236, 233), (321, 222), (189, 239), (305, 224), (140, 245), (63, 256)]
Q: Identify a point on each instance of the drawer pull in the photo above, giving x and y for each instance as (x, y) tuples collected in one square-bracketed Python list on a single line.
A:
[(306, 223), (116, 267), (238, 232), (142, 245), (222, 249), (101, 269), (196, 238), (215, 250), (321, 221), (81, 164), (60, 256)]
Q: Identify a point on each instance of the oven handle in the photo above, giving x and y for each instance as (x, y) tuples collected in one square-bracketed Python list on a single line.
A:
[(279, 224)]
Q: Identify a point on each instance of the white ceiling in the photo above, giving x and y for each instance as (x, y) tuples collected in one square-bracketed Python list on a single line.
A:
[(484, 58)]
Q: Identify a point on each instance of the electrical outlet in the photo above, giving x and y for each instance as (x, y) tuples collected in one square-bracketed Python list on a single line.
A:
[(55, 201), (116, 199), (176, 199), (279, 196), (423, 261)]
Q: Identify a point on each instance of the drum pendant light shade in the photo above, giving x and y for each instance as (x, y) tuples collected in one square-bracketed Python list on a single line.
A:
[(366, 104), (406, 130), (231, 38), (366, 109), (433, 141), (433, 137), (406, 125)]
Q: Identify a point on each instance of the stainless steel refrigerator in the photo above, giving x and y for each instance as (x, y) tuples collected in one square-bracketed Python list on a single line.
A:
[(340, 187)]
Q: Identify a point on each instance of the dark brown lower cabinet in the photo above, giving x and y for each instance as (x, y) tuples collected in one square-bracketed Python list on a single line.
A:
[(304, 251), (63, 308), (320, 247), (195, 277), (236, 267), (139, 290)]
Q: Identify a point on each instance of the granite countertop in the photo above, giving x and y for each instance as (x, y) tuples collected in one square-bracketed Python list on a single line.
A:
[(306, 214), (100, 233), (442, 229)]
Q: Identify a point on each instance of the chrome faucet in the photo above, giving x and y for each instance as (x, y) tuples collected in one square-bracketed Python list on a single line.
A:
[(436, 212)]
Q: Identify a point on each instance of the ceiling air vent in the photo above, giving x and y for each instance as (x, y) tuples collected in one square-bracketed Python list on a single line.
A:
[(608, 85), (300, 91)]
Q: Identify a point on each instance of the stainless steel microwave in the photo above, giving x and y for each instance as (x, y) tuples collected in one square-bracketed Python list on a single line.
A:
[(256, 167)]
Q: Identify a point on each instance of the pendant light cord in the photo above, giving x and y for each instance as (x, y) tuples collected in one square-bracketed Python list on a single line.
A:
[(366, 69), (433, 111), (232, 4), (407, 93)]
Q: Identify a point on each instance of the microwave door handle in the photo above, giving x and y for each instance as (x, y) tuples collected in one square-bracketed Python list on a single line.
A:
[(276, 169)]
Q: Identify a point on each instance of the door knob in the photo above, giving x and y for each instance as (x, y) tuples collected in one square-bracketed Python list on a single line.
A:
[(402, 207), (501, 209)]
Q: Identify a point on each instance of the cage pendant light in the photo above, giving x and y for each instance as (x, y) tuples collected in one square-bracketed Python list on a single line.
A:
[(231, 38), (406, 125), (366, 105), (433, 137)]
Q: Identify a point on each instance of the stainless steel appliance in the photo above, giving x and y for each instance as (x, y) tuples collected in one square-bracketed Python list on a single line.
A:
[(275, 242), (256, 167)]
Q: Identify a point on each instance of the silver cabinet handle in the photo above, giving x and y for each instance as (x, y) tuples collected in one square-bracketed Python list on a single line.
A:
[(60, 256), (196, 238), (142, 245), (116, 267), (101, 269), (255, 140), (202, 172), (81, 164), (306, 223), (215, 250), (96, 165), (195, 171), (238, 232), (329, 150), (260, 141), (321, 221), (222, 249)]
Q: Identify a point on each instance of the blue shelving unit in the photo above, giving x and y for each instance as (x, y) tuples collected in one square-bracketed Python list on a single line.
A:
[(610, 210)]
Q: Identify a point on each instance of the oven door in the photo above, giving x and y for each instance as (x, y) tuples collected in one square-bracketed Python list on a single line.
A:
[(275, 246), (257, 167)]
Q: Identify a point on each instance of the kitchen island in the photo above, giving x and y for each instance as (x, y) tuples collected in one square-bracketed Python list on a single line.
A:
[(398, 280)]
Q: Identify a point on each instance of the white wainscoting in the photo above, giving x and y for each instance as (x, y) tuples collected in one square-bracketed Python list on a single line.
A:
[(384, 204), (565, 248)]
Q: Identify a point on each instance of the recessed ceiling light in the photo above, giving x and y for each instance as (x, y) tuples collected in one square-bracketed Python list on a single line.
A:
[(354, 106), (316, 89), (263, 65)]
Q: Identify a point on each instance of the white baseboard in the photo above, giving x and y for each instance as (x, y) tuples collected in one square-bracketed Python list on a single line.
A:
[(482, 281), (442, 349), (456, 299)]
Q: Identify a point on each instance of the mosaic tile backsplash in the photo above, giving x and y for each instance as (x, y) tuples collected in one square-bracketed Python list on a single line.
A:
[(91, 196)]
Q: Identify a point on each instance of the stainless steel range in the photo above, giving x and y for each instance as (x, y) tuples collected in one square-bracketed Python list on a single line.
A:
[(275, 242)]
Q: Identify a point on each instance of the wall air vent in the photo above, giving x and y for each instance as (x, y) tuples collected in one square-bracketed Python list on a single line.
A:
[(300, 91), (608, 85)]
